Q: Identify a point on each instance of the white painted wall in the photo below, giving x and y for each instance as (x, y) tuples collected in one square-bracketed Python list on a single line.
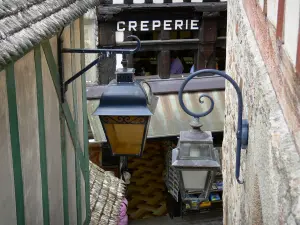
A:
[(119, 38), (138, 1), (272, 11), (7, 194), (261, 3), (90, 41), (53, 142), (118, 1), (291, 27), (29, 138), (119, 60)]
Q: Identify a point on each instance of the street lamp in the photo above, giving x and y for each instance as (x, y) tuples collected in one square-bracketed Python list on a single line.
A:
[(197, 161), (241, 135), (125, 110), (195, 157)]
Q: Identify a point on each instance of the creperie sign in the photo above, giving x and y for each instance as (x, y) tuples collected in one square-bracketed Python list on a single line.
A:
[(157, 25)]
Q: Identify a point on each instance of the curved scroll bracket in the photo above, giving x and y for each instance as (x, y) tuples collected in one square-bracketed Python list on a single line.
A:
[(242, 125), (61, 50)]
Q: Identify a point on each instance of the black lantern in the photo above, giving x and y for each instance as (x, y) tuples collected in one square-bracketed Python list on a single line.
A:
[(125, 110), (242, 124), (196, 159)]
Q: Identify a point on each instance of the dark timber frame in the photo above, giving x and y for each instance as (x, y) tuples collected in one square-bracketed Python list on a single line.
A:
[(107, 38), (203, 43), (108, 11), (206, 55)]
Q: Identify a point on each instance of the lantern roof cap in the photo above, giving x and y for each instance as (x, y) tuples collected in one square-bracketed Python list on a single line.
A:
[(125, 99), (195, 135), (125, 70)]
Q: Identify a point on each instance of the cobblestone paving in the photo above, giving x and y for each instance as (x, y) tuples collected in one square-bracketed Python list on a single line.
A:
[(211, 218)]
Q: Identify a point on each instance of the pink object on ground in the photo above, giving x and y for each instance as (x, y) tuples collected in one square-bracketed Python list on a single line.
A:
[(123, 213)]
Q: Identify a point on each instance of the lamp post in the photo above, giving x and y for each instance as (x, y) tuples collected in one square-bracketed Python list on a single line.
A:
[(125, 110)]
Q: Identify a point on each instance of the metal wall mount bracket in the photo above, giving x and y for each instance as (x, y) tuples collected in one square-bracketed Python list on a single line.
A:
[(242, 124), (103, 53)]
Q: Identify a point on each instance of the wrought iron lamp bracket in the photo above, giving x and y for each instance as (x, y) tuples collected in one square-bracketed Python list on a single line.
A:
[(107, 53), (242, 125)]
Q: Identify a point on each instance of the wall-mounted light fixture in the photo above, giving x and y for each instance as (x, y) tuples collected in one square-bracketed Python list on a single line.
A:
[(125, 106), (205, 150), (125, 110), (103, 54)]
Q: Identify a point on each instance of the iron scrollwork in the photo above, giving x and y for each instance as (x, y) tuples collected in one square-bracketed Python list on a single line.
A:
[(124, 119), (242, 125), (64, 84)]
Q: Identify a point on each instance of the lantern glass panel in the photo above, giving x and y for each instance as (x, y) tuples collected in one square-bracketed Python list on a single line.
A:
[(195, 151), (194, 180), (126, 134)]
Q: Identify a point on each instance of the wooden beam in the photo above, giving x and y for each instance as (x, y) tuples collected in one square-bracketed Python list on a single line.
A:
[(167, 86), (164, 35), (198, 7), (160, 45), (163, 64), (107, 67), (174, 44), (280, 19), (208, 38), (163, 59), (149, 15), (157, 14), (195, 52)]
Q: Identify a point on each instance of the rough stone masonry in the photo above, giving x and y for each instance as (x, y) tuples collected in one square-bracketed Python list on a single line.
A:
[(270, 166)]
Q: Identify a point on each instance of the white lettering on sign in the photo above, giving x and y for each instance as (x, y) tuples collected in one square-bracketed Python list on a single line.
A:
[(118, 26), (194, 24), (144, 25), (132, 25), (157, 25), (167, 25), (178, 24)]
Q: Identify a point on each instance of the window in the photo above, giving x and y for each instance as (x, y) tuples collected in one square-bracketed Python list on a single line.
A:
[(145, 63)]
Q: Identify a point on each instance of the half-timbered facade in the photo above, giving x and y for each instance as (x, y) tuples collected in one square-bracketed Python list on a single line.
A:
[(44, 152), (195, 30)]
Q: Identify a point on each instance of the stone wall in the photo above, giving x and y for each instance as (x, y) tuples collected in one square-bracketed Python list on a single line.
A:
[(270, 167)]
